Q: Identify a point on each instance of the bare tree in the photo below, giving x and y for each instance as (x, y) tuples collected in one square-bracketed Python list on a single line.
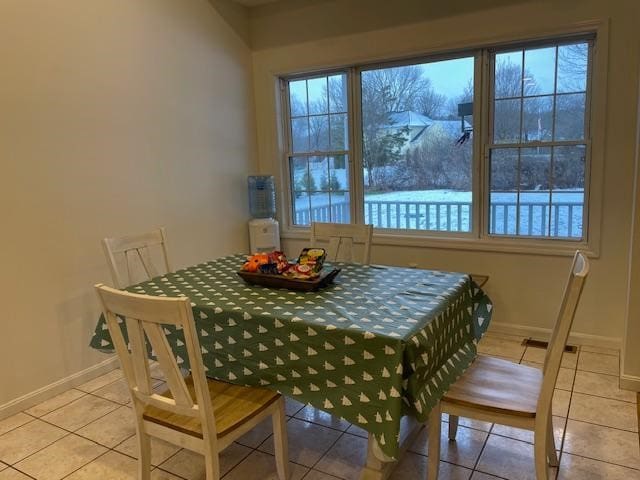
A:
[(429, 102)]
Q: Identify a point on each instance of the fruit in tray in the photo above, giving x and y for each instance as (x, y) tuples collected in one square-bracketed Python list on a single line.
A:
[(308, 267), (273, 263)]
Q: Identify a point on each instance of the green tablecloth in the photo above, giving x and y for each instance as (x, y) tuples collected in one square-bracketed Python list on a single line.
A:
[(379, 343)]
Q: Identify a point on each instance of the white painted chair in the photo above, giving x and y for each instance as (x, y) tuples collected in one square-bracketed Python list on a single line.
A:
[(497, 391), (340, 238), (196, 413), (137, 256)]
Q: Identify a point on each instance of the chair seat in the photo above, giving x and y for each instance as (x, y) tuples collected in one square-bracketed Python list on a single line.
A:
[(497, 385), (233, 405)]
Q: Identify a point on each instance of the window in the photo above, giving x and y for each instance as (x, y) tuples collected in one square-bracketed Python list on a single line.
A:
[(319, 149), (538, 142), (416, 147), (419, 149)]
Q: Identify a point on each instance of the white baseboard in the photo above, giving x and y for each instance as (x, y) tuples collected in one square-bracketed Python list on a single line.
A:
[(538, 333), (630, 382), (38, 396)]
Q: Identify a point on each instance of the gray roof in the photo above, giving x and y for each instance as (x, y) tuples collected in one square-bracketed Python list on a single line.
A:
[(408, 119)]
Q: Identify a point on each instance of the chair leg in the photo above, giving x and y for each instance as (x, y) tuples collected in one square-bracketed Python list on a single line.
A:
[(144, 459), (540, 451), (211, 463), (453, 426), (280, 441), (551, 445), (434, 442)]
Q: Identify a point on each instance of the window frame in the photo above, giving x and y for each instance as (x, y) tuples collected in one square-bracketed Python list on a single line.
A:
[(477, 239), (489, 144)]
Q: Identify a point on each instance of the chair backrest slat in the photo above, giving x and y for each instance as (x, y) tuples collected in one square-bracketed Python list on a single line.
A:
[(168, 364), (145, 319), (341, 238), (136, 252), (561, 329)]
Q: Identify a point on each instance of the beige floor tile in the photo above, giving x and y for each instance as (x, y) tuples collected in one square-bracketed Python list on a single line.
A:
[(602, 385), (565, 378), (3, 466), (356, 430), (311, 414), (292, 406), (602, 443), (117, 391), (599, 363), (579, 468), (61, 458), (158, 474), (27, 439), (316, 475), (112, 465), (55, 402), (470, 423), (262, 466), (559, 424), (160, 450), (593, 349), (101, 381), (112, 429), (308, 442), (414, 467), (80, 412), (464, 451), (569, 360), (507, 458), (14, 421), (604, 411), (560, 403), (258, 434), (346, 458), (491, 345), (536, 355), (190, 465), (483, 476), (11, 474)]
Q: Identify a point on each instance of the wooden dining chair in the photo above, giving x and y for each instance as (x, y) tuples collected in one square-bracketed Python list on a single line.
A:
[(340, 238), (498, 391), (195, 413), (137, 256)]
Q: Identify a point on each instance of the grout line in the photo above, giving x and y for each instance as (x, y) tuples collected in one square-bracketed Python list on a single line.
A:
[(603, 461), (329, 449), (19, 426), (18, 470), (600, 396), (82, 466)]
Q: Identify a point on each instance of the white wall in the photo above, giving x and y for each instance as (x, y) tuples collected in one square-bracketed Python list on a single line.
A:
[(116, 117), (525, 288)]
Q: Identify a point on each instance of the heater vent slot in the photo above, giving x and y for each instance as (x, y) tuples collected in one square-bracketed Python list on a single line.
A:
[(530, 342)]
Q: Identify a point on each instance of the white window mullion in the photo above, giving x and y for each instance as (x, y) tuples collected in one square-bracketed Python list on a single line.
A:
[(356, 161), (483, 190)]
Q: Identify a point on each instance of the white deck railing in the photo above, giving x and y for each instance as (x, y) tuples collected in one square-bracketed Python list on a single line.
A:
[(560, 219)]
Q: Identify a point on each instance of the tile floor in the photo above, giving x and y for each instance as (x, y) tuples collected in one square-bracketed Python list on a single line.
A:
[(87, 433)]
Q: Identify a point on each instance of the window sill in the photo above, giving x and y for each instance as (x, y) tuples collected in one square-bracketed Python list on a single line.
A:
[(559, 248)]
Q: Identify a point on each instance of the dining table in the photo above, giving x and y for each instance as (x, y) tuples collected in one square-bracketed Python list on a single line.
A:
[(378, 344)]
